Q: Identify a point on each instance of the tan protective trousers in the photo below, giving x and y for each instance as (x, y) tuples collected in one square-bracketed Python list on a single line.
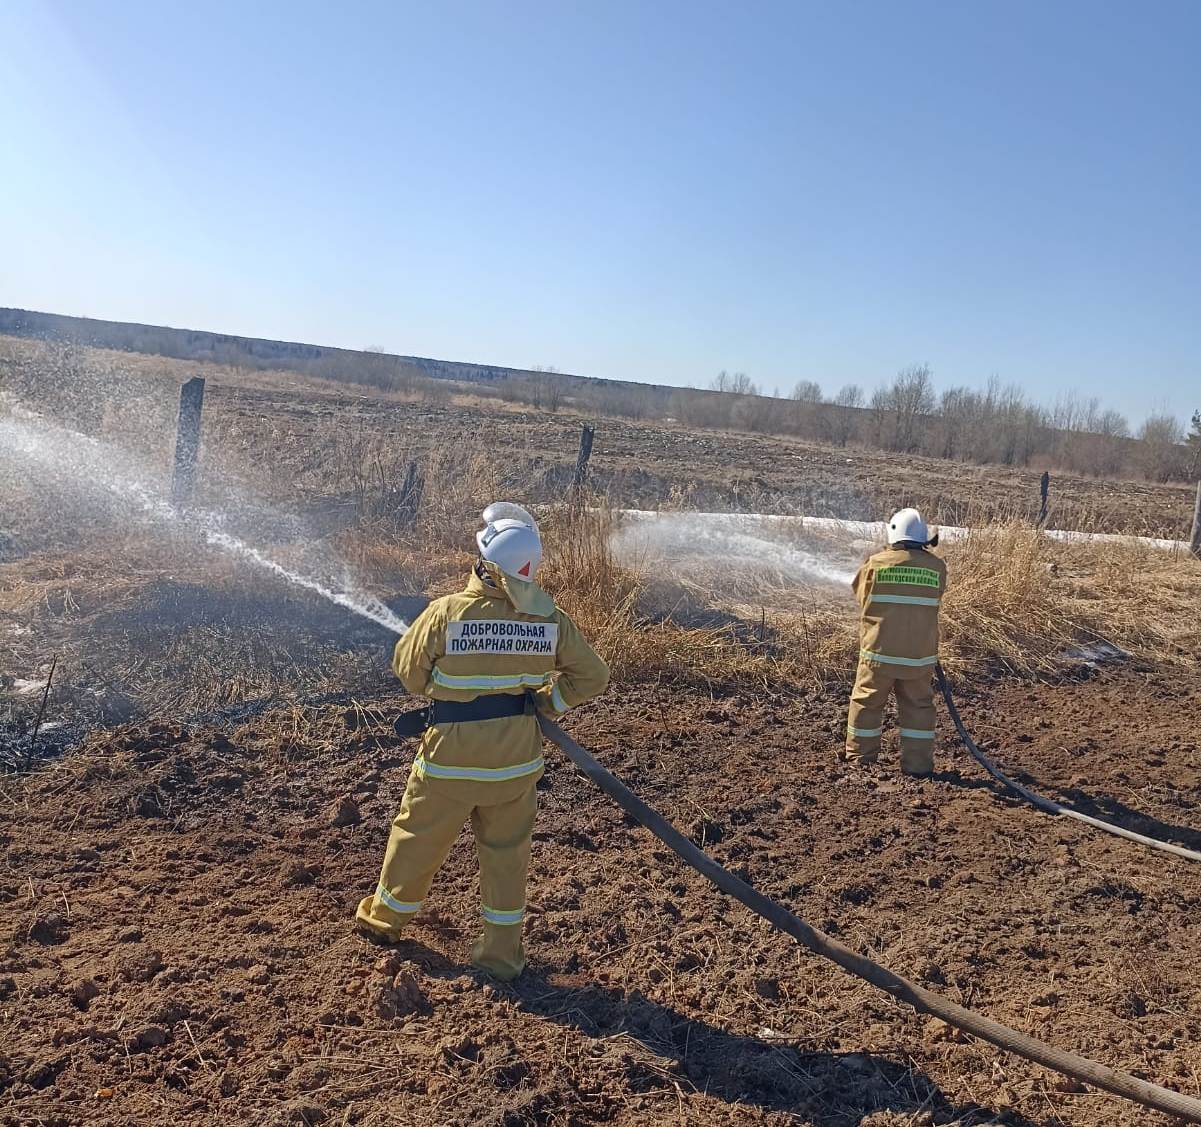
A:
[(915, 711), (431, 815)]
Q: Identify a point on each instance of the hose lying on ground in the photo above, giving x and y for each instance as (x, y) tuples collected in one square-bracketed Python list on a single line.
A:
[(1047, 805), (922, 1000)]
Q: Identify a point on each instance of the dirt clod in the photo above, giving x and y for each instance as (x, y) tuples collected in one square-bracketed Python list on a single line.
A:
[(938, 1030), (768, 988), (151, 1037), (300, 1112), (1069, 1084), (137, 964), (84, 991), (295, 873), (459, 1048), (43, 1072), (345, 812), (49, 929)]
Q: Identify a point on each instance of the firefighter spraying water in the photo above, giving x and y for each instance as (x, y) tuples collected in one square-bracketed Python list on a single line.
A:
[(899, 591), (490, 658)]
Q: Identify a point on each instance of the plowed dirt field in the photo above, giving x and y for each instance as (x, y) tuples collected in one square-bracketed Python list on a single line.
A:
[(176, 944)]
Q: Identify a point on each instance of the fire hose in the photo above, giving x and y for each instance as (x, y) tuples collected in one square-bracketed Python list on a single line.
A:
[(921, 999), (1047, 805)]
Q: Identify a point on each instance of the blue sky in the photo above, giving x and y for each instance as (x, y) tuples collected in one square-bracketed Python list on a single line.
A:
[(641, 191)]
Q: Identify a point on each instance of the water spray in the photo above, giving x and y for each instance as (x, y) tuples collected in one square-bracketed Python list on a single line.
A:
[(82, 460)]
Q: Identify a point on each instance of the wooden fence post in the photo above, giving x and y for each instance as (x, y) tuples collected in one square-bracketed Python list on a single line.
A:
[(187, 440), (581, 462), (409, 503), (1044, 492), (1194, 545)]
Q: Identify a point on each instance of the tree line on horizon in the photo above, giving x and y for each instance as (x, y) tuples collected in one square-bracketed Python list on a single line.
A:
[(996, 424)]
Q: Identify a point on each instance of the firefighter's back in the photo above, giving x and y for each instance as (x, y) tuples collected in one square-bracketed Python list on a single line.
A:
[(901, 594)]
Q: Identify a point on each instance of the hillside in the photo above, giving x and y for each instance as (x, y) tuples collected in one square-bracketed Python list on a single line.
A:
[(249, 352)]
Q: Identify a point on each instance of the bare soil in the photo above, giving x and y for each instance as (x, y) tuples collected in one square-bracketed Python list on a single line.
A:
[(176, 945)]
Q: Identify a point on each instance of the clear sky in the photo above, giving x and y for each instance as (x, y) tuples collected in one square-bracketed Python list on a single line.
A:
[(649, 191)]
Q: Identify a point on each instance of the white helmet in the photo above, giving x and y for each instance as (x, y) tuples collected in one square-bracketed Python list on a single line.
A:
[(908, 525), (510, 540), (499, 510), (512, 550)]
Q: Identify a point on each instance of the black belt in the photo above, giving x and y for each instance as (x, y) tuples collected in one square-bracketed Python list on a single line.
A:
[(491, 707), (495, 706)]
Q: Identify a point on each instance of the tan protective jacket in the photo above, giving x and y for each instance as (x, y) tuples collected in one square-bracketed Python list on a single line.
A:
[(900, 591), (476, 643)]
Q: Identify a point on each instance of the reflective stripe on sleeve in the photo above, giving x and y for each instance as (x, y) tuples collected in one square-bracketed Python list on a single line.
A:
[(495, 916), (917, 734), (864, 733), (556, 699), (512, 681), (905, 600), (884, 659), (476, 774), (397, 905)]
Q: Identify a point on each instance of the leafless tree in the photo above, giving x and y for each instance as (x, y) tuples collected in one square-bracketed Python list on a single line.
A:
[(546, 392), (737, 384), (1193, 449), (898, 409), (849, 395), (1163, 452)]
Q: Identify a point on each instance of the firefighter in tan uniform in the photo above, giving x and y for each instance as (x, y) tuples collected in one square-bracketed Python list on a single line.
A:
[(899, 591), (487, 656)]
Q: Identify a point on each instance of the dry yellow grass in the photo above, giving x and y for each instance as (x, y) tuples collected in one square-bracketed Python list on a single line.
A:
[(1018, 602)]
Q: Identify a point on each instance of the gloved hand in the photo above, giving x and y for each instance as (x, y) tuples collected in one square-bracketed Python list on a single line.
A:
[(412, 723)]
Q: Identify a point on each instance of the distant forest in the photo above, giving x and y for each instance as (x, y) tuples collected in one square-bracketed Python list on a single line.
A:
[(995, 424)]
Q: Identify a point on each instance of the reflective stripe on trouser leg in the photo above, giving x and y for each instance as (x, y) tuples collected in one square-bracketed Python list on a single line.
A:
[(915, 709), (502, 841), (422, 833), (866, 713)]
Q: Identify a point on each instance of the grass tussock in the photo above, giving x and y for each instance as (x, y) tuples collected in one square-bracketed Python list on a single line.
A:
[(1022, 602), (1003, 607), (1018, 602)]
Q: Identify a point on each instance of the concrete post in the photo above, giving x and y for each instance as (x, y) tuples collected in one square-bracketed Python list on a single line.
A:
[(187, 440)]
